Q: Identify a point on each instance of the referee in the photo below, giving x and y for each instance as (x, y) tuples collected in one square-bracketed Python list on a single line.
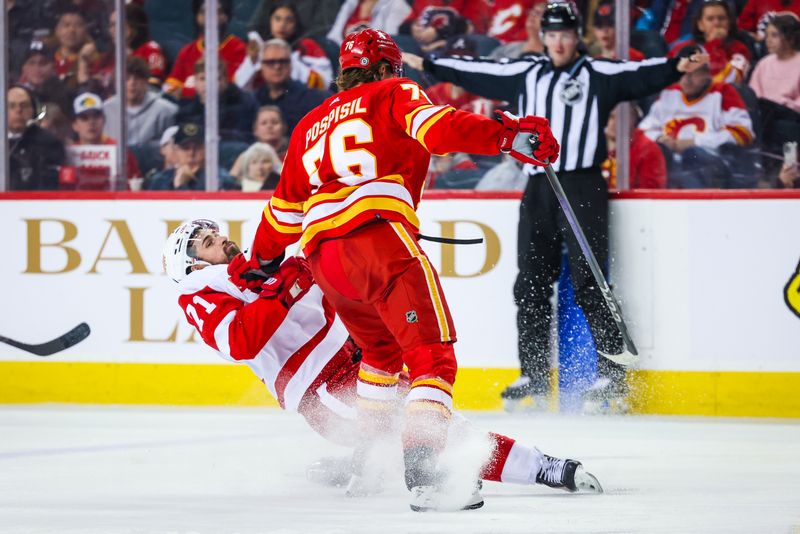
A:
[(576, 93)]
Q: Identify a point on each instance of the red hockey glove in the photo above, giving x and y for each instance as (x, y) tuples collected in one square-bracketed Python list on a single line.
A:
[(528, 139), (250, 274), (289, 283)]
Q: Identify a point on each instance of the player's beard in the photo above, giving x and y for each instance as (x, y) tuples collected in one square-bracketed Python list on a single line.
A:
[(231, 249)]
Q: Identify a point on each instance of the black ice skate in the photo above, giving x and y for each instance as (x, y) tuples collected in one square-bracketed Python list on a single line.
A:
[(606, 396), (523, 396), (568, 475), (521, 388)]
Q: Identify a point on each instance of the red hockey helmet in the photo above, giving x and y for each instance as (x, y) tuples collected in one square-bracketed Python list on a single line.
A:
[(362, 49)]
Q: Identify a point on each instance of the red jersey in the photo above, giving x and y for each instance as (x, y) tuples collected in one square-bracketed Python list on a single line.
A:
[(289, 350), (753, 15), (363, 155), (648, 169), (508, 20), (181, 79), (152, 53), (729, 59)]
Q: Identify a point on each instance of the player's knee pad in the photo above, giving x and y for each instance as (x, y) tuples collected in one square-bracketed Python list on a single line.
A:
[(434, 359)]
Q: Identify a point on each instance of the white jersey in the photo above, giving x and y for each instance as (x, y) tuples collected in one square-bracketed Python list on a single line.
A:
[(287, 349), (717, 117)]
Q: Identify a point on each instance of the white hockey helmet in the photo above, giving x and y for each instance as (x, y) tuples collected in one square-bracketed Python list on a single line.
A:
[(177, 259)]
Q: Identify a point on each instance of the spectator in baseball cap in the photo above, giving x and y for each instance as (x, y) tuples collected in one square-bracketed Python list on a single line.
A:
[(190, 172)]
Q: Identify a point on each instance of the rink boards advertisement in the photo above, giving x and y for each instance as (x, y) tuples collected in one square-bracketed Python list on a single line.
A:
[(709, 286)]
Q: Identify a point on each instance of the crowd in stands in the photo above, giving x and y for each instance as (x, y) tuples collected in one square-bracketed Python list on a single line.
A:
[(733, 124)]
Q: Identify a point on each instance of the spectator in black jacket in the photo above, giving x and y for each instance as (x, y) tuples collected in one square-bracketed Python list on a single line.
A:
[(292, 97), (39, 75), (236, 107), (35, 155), (576, 93)]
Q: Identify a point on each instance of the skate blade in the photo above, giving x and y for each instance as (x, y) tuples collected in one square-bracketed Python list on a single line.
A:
[(587, 482), (432, 501), (625, 358), (473, 506), (363, 487)]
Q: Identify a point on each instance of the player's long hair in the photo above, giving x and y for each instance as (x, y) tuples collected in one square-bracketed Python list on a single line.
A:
[(349, 78)]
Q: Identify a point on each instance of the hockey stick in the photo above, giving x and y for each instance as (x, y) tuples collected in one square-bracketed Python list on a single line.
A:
[(73, 337), (630, 356)]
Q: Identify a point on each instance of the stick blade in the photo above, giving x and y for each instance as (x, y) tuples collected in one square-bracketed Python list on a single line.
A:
[(625, 358), (75, 336), (71, 338)]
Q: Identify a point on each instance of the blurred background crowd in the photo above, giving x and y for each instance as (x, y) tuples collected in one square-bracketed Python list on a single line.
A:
[(278, 59)]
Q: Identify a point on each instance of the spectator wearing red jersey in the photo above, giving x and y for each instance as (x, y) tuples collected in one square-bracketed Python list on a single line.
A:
[(508, 20), (139, 44), (385, 15), (605, 34), (648, 169), (181, 80), (310, 63), (94, 172), (755, 15), (73, 45), (714, 29), (532, 45)]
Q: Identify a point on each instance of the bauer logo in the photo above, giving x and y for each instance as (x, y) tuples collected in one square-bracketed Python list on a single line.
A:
[(791, 293)]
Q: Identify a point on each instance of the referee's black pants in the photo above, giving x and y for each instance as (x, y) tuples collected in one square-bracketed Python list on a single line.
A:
[(543, 228)]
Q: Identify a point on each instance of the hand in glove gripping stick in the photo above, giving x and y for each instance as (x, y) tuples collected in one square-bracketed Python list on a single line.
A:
[(289, 283), (250, 273), (528, 139)]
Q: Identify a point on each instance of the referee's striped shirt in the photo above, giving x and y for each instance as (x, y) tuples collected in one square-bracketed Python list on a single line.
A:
[(577, 98)]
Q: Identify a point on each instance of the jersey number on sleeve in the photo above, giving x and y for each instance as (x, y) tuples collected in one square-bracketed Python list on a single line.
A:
[(191, 311), (352, 166)]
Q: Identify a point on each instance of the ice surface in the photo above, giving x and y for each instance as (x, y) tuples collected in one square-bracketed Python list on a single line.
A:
[(116, 470)]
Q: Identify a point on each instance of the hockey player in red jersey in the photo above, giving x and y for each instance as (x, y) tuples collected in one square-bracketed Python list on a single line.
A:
[(349, 191), (287, 333)]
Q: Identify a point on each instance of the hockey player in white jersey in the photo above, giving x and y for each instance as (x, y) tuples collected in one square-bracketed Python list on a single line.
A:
[(290, 337)]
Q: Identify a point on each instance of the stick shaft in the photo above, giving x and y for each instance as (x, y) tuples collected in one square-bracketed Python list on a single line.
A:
[(608, 295)]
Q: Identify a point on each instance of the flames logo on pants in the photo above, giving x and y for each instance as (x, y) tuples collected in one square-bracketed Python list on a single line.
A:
[(791, 293)]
